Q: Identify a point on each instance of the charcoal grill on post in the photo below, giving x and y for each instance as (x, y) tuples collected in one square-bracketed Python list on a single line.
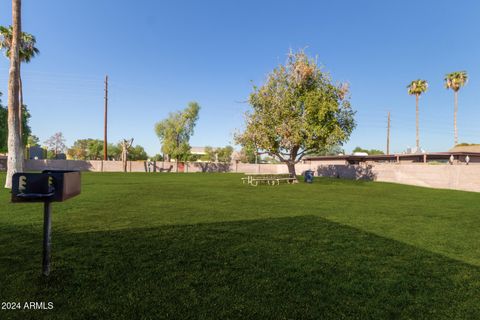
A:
[(47, 187)]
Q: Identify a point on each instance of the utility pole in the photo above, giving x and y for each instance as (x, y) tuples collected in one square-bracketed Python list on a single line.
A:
[(105, 121), (388, 134)]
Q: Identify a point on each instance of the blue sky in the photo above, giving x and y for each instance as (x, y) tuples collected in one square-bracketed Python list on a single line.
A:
[(160, 55)]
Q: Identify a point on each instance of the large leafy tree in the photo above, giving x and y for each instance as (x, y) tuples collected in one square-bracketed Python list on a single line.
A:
[(15, 149), (417, 88), (455, 81), (175, 132), (297, 110), (27, 51)]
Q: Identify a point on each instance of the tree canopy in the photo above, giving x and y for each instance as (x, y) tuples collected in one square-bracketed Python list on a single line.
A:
[(222, 155), (56, 144), (296, 111), (175, 131), (370, 152), (456, 80), (4, 126), (417, 87), (27, 48)]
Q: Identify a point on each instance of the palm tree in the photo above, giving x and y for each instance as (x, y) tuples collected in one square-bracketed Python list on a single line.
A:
[(417, 87), (26, 53), (15, 150), (455, 81)]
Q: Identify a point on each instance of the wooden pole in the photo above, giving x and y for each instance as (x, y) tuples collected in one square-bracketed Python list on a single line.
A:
[(388, 134), (105, 151)]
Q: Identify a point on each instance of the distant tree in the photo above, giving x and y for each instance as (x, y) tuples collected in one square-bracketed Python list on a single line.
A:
[(370, 152), (224, 155), (137, 153), (79, 150), (56, 144), (114, 151), (4, 127), (194, 157), (417, 88), (210, 155), (33, 141), (455, 81), (27, 51), (175, 132), (298, 110), (248, 155), (157, 157), (95, 149), (329, 151), (92, 149), (26, 130), (268, 159)]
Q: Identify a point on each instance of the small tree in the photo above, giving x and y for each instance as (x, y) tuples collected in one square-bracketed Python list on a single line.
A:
[(56, 144), (175, 132), (298, 110)]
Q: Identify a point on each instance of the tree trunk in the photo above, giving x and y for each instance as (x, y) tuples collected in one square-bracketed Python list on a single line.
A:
[(416, 110), (291, 170), (15, 151), (455, 110)]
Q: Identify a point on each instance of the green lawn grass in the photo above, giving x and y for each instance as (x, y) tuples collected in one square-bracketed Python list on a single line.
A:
[(204, 246)]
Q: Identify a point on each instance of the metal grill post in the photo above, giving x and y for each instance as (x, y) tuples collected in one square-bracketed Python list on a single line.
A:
[(47, 236)]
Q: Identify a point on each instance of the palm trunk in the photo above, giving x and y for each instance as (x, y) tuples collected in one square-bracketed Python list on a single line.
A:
[(416, 111), (455, 110), (15, 151), (20, 109)]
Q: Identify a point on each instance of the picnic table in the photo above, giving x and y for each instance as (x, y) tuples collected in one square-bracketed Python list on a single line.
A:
[(254, 179)]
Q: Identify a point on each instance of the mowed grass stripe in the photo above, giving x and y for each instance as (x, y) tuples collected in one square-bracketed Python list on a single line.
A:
[(205, 246)]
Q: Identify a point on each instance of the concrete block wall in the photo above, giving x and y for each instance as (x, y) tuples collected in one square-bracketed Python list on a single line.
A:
[(458, 176)]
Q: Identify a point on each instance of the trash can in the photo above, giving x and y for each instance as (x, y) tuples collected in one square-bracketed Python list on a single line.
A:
[(308, 176)]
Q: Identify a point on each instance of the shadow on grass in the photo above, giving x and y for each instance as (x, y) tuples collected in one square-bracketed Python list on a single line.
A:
[(303, 267)]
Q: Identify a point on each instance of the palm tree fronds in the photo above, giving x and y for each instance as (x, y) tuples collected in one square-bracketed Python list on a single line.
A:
[(456, 80), (417, 87)]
